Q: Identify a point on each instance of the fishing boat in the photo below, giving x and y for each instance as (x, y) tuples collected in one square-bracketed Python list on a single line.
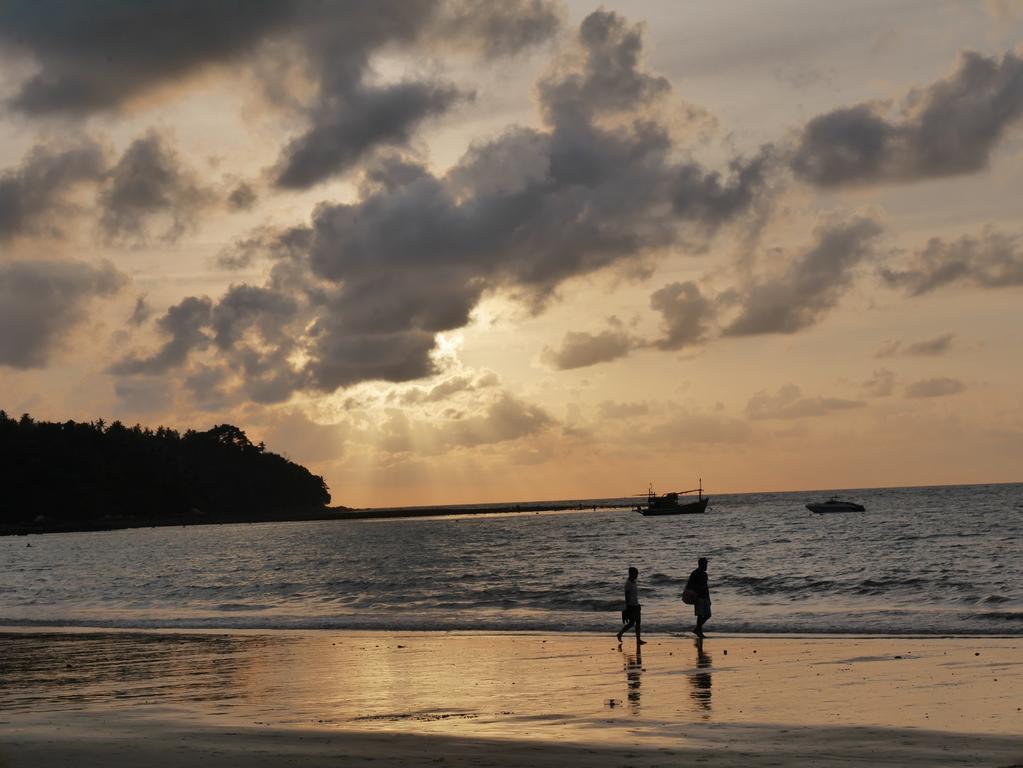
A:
[(834, 505), (671, 503)]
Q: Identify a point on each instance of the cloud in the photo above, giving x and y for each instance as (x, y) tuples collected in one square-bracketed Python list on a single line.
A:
[(147, 182), (609, 81), (947, 128), (685, 312), (247, 308), (811, 285), (608, 409), (580, 349), (498, 29), (146, 394), (345, 127), (504, 419), (97, 56), (789, 403), (993, 260), (701, 196), (881, 384), (448, 388), (242, 197), (929, 348), (42, 301), (937, 387), (697, 429), (349, 117), (375, 278), (105, 56), (185, 323), (507, 418), (141, 313), (34, 196), (207, 388)]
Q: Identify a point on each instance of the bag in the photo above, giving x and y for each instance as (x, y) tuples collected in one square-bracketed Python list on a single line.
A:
[(689, 596)]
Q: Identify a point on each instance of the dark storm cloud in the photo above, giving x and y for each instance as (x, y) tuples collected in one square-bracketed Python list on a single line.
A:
[(702, 196), (99, 56), (789, 403), (347, 126), (33, 196), (811, 285), (610, 79), (247, 308), (42, 301), (149, 182), (375, 279), (350, 117), (497, 29), (94, 56), (937, 387), (993, 260), (944, 129), (187, 324), (928, 348), (686, 314), (580, 349)]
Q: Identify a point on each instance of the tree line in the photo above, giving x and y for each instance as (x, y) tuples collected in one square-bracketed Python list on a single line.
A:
[(84, 475)]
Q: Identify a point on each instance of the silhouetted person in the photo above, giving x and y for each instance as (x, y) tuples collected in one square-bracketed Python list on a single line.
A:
[(631, 614), (698, 583)]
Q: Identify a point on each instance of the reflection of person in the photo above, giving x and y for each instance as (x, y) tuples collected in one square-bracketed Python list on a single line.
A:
[(700, 679), (631, 614), (633, 669), (699, 584)]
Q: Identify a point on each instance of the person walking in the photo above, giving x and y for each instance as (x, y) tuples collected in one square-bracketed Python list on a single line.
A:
[(699, 584), (631, 614)]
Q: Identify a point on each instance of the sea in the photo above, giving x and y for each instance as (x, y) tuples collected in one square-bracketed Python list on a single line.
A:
[(919, 561)]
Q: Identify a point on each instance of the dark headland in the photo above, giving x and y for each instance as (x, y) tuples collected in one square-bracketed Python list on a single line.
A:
[(94, 476)]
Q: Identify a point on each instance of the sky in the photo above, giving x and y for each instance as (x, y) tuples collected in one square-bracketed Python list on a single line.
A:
[(443, 251)]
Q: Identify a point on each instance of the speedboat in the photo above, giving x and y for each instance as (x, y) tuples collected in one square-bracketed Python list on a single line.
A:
[(834, 505)]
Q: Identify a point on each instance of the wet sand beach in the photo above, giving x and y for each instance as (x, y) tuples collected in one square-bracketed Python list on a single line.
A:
[(381, 699)]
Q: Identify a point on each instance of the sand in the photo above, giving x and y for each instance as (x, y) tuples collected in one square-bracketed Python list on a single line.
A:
[(385, 699)]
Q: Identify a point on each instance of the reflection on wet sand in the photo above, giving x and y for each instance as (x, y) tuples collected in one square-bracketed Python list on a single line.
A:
[(633, 670), (511, 685), (700, 680), (57, 672)]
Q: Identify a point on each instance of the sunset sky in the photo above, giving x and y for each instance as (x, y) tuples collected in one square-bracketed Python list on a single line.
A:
[(445, 251)]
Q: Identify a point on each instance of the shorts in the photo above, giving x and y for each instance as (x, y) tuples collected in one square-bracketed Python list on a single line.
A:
[(702, 607), (631, 613)]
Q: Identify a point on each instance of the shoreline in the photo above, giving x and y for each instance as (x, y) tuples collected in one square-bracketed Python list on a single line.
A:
[(120, 698), (80, 629), (305, 516)]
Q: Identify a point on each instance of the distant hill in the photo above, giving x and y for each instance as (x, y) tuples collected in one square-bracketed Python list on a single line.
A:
[(93, 476)]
